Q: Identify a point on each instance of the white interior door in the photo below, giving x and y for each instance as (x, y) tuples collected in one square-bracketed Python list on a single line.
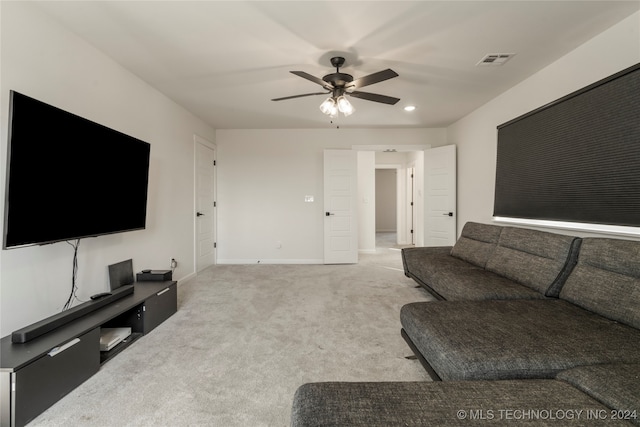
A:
[(340, 207), (205, 206), (440, 196), (410, 206)]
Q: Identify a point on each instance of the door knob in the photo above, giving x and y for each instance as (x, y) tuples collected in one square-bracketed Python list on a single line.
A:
[(329, 214), (199, 214), (448, 214)]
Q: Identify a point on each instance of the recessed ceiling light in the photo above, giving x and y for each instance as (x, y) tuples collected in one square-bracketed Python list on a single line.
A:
[(409, 108)]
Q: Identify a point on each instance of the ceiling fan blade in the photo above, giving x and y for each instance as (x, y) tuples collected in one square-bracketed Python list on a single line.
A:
[(313, 79), (375, 97), (378, 77), (300, 96)]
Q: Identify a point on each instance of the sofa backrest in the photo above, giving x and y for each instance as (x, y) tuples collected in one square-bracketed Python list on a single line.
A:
[(476, 243), (606, 279), (537, 259)]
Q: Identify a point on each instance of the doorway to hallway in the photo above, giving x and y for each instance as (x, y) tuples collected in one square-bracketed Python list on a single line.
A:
[(388, 240)]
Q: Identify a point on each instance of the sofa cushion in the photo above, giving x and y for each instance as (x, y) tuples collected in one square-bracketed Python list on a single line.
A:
[(537, 259), (466, 340), (476, 243), (606, 279), (467, 283), (453, 403), (453, 279), (617, 386)]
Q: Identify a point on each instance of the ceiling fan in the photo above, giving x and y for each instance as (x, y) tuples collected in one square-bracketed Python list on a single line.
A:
[(338, 84)]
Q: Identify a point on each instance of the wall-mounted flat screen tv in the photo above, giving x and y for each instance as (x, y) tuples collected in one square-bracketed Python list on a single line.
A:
[(69, 177)]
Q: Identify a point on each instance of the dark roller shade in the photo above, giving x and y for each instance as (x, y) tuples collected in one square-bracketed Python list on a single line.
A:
[(576, 159)]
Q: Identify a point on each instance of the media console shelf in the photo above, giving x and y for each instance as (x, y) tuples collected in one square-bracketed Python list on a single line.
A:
[(37, 373)]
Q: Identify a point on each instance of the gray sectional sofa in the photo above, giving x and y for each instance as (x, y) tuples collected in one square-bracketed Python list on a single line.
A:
[(524, 319), (603, 395), (594, 320)]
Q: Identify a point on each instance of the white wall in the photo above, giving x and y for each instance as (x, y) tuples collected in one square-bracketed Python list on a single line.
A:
[(476, 134), (386, 200), (41, 59), (263, 177)]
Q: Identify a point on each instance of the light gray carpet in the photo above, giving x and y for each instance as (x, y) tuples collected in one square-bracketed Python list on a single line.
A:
[(245, 337), (388, 240)]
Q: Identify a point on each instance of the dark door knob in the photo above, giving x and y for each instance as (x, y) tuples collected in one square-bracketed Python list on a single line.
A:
[(199, 214), (448, 214)]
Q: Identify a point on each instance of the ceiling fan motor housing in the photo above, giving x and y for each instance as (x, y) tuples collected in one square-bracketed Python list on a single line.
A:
[(338, 80)]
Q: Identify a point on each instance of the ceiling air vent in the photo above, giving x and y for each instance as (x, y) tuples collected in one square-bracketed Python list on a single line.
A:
[(495, 58)]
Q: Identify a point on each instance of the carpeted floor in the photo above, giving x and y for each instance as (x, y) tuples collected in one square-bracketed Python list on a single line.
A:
[(245, 337)]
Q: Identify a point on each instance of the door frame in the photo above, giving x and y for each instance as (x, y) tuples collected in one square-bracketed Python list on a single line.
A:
[(197, 139), (417, 164), (400, 184)]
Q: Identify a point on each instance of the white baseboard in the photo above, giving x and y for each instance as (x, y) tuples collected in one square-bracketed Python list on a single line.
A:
[(187, 278), (367, 251), (270, 261)]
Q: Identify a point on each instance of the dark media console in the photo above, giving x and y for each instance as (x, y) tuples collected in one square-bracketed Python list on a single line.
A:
[(52, 357)]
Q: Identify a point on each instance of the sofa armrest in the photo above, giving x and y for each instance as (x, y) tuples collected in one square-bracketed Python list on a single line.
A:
[(410, 256)]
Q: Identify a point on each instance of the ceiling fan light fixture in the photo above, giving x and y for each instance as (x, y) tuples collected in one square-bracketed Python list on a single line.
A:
[(340, 84), (328, 106), (344, 106)]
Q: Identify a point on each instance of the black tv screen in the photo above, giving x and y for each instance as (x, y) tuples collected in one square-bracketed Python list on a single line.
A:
[(69, 177)]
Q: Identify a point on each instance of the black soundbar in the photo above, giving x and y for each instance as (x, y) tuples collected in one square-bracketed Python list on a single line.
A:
[(50, 323)]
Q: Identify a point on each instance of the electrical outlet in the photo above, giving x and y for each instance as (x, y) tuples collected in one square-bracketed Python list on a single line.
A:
[(173, 263)]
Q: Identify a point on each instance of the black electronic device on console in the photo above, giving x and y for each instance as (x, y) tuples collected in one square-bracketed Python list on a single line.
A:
[(120, 274), (154, 275), (100, 295)]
